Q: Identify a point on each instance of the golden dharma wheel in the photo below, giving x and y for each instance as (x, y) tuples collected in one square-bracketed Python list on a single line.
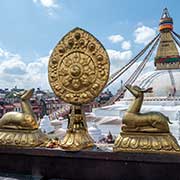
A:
[(78, 67)]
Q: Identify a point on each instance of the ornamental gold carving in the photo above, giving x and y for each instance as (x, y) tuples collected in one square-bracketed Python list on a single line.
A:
[(144, 132), (146, 142), (78, 67), (78, 71), (21, 128)]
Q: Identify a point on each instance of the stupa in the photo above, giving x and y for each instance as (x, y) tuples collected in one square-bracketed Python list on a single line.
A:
[(45, 125), (95, 132), (164, 80)]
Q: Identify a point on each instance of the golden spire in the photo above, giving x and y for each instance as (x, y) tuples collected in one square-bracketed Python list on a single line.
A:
[(167, 56)]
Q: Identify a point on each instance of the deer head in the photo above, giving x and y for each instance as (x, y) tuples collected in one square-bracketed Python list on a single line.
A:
[(137, 91), (25, 95)]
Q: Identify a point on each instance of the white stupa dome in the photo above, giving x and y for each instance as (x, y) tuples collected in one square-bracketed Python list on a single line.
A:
[(45, 125), (95, 132), (56, 123), (165, 83), (60, 133)]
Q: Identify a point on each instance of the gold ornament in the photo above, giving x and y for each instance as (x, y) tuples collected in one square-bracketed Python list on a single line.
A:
[(24, 138), (144, 132), (21, 129), (78, 72), (146, 142), (77, 136), (78, 67)]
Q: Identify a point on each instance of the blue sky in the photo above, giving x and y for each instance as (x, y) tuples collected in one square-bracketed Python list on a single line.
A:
[(30, 29)]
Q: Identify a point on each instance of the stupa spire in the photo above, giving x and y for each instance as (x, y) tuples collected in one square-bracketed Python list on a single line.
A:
[(166, 22), (165, 13), (167, 56)]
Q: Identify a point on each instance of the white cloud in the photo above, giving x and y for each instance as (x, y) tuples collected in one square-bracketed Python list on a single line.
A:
[(47, 3), (139, 24), (3, 53), (13, 66), (118, 55), (144, 34), (116, 38), (148, 68), (126, 45), (118, 58), (14, 71), (7, 54)]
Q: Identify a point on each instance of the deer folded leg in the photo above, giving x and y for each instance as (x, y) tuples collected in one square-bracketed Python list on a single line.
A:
[(149, 129), (129, 129), (162, 126)]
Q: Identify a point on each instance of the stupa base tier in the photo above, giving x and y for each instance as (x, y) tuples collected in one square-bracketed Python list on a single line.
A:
[(76, 140), (25, 138), (146, 142)]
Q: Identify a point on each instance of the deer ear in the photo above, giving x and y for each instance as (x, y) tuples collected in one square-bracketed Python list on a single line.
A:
[(16, 94), (149, 90)]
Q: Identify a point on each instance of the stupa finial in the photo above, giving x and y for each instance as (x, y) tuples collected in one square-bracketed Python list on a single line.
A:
[(167, 56), (165, 13), (166, 22)]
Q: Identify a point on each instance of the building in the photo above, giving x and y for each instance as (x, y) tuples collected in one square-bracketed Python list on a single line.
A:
[(164, 80), (42, 103)]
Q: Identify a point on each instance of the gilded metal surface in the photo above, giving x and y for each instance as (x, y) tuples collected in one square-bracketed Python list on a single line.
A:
[(24, 138), (146, 142), (144, 132), (134, 121), (78, 67), (24, 120), (77, 136), (51, 143), (78, 71), (21, 129)]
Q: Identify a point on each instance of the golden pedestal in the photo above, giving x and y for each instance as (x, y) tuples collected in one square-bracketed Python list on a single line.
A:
[(78, 71), (25, 138), (76, 140), (146, 142), (77, 136)]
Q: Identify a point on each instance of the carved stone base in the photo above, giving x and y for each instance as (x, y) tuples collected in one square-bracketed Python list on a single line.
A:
[(27, 138), (146, 142), (77, 140)]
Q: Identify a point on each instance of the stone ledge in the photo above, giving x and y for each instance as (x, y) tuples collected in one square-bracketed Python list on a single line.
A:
[(53, 163)]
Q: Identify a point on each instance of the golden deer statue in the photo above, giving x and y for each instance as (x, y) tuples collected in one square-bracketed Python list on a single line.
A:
[(144, 132), (21, 128), (18, 120), (135, 121)]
